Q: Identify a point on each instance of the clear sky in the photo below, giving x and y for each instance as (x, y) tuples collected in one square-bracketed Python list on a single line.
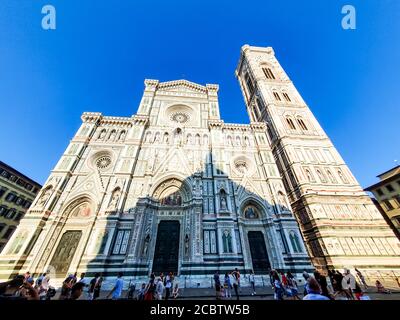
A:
[(101, 51)]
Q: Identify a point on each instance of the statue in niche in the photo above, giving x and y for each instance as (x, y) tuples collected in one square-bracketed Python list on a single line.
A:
[(114, 200), (223, 200), (186, 244), (122, 136), (146, 245), (178, 136), (45, 196), (282, 201), (102, 134), (112, 135), (166, 138)]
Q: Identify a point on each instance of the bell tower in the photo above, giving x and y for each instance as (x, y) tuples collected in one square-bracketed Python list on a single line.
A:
[(340, 224)]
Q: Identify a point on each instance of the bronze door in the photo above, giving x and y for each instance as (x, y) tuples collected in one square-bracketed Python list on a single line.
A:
[(65, 252), (166, 253), (259, 255)]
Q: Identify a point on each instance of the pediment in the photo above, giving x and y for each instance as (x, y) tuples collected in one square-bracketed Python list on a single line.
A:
[(182, 86)]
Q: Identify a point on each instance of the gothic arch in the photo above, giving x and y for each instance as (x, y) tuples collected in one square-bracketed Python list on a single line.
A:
[(253, 201), (170, 184), (81, 206)]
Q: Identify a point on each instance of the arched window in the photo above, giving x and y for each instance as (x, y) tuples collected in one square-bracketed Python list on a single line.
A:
[(189, 139), (166, 137), (227, 241), (291, 123), (277, 96), (331, 177), (342, 176), (229, 140), (249, 84), (268, 73), (198, 139), (321, 176), (302, 124), (286, 96), (102, 134), (294, 240), (246, 141), (205, 140), (238, 143), (122, 135), (148, 136), (309, 175), (112, 135)]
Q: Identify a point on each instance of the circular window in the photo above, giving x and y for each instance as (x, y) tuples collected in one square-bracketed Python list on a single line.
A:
[(241, 166), (103, 162), (180, 117)]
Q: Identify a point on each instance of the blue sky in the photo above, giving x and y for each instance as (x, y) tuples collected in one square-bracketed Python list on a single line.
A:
[(101, 51)]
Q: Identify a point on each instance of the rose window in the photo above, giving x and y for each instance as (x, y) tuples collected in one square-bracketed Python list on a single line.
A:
[(103, 162)]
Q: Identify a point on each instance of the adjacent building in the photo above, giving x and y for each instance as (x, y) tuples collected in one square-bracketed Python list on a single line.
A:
[(387, 196), (17, 193), (174, 188)]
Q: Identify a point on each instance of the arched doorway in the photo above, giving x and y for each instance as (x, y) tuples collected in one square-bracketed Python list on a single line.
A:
[(172, 197), (258, 251)]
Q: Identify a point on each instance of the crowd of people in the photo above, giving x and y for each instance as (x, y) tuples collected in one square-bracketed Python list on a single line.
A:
[(334, 286)]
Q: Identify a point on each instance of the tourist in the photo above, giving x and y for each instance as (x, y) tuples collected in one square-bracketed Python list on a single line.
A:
[(236, 282), (76, 291), (362, 278), (159, 289), (150, 290), (27, 275), (66, 287), (75, 278), (141, 292), (92, 286), (277, 286), (116, 292), (236, 275), (321, 279), (168, 285), (175, 292), (306, 276), (252, 279), (227, 286), (217, 283), (131, 290), (44, 286), (314, 290), (11, 288), (97, 288), (292, 286), (348, 284), (381, 288)]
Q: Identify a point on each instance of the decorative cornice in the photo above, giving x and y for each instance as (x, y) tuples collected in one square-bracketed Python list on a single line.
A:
[(120, 121), (140, 119), (91, 117)]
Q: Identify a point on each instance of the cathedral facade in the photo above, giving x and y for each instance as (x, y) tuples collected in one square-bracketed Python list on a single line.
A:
[(176, 189)]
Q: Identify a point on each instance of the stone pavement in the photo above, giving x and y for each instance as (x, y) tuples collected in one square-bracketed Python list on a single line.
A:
[(263, 293)]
